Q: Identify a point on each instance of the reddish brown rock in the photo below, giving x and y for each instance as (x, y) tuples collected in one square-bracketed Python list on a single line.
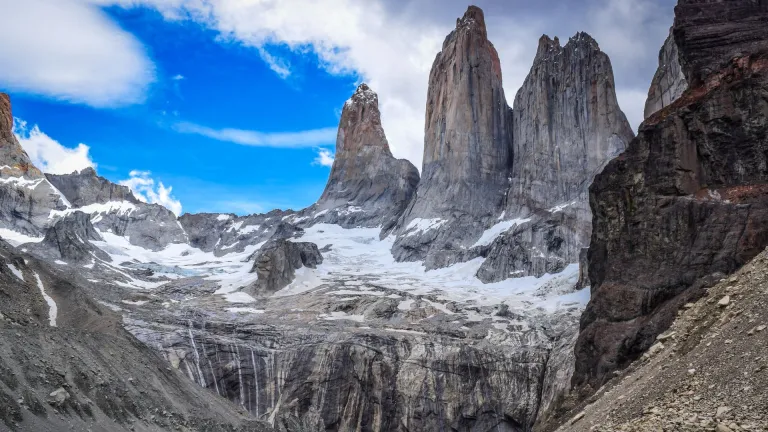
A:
[(688, 200), (367, 185), (15, 162)]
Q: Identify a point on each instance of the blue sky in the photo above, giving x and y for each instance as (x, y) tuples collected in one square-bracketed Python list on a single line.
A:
[(204, 80), (230, 102)]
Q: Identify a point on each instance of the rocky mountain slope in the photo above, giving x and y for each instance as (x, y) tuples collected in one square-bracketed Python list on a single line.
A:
[(688, 200), (708, 371), (70, 364), (367, 186)]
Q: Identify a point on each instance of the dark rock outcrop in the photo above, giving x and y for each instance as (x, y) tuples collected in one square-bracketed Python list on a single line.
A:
[(669, 82), (277, 262), (69, 240), (367, 186), (688, 200), (86, 187), (467, 146)]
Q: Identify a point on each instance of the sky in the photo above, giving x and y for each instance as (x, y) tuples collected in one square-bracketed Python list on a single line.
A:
[(232, 105)]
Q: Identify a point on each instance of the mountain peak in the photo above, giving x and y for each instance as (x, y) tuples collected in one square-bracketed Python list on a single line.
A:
[(16, 162)]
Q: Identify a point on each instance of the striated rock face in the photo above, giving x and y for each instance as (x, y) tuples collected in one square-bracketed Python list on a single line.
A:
[(467, 145), (15, 159), (567, 125), (367, 186), (86, 187), (688, 201), (277, 262), (669, 82)]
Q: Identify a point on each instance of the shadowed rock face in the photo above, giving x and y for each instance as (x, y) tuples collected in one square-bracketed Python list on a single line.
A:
[(277, 262), (15, 159), (85, 187), (688, 201), (367, 186), (467, 143), (69, 240)]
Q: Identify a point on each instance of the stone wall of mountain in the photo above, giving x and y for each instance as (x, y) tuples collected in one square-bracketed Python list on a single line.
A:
[(567, 126), (467, 146), (522, 173), (367, 185), (687, 203)]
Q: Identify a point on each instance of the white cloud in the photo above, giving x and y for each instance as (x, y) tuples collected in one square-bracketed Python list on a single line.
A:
[(49, 155), (324, 158), (178, 77), (71, 50), (145, 189), (391, 45), (310, 138)]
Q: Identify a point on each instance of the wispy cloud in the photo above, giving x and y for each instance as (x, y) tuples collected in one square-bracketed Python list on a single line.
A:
[(309, 138), (49, 155), (145, 189), (277, 64), (324, 158), (178, 77)]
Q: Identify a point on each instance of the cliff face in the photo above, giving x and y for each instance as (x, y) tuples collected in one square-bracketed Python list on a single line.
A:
[(26, 197), (688, 201), (669, 82), (367, 185), (567, 125), (467, 145)]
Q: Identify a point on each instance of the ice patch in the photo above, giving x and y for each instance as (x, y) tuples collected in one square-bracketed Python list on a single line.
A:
[(15, 238), (16, 271), (335, 316), (245, 310), (419, 225), (52, 309), (495, 231), (223, 217), (239, 297), (561, 207)]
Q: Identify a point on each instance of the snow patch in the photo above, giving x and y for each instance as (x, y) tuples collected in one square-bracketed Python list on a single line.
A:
[(495, 231), (239, 297), (52, 309), (16, 238), (419, 225), (16, 271)]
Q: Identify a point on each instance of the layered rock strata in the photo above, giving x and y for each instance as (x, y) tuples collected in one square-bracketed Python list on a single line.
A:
[(688, 201)]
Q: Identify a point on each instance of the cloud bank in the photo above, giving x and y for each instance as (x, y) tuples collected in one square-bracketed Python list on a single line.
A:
[(49, 155), (145, 189)]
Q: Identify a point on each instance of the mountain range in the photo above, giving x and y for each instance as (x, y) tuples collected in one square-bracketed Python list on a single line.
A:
[(543, 254)]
